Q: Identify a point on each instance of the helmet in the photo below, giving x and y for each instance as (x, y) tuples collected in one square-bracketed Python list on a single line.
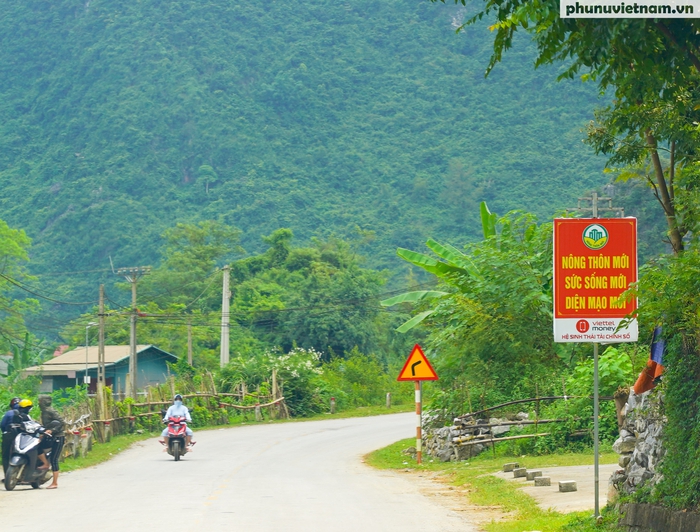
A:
[(14, 403), (178, 397), (25, 405)]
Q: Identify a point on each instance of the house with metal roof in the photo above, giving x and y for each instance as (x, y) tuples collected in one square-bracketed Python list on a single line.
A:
[(70, 368)]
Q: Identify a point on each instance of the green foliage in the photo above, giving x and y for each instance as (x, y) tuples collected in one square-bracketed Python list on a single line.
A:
[(69, 397), (317, 297), (297, 373), (668, 291), (614, 370), (225, 113), (361, 380), (14, 338), (491, 332)]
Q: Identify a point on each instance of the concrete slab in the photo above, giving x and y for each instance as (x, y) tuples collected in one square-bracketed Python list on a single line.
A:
[(575, 501)]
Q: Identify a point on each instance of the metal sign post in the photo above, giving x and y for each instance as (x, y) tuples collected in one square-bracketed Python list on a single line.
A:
[(595, 261)]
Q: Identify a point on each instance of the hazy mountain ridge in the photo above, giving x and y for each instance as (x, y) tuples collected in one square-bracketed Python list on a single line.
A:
[(117, 121)]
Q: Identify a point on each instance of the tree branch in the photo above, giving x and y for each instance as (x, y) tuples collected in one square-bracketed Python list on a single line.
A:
[(693, 58), (672, 172), (667, 203)]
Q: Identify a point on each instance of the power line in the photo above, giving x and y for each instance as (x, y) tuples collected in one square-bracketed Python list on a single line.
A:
[(52, 274), (21, 286)]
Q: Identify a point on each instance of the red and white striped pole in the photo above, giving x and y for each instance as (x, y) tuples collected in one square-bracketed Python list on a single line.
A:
[(419, 410)]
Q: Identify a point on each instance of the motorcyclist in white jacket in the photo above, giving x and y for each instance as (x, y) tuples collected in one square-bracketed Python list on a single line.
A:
[(178, 409)]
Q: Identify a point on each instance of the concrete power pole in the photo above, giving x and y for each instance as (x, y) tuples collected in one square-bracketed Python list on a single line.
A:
[(101, 356), (101, 348), (132, 275), (225, 318), (189, 343)]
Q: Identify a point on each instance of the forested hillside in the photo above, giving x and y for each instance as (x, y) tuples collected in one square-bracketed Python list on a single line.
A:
[(118, 120)]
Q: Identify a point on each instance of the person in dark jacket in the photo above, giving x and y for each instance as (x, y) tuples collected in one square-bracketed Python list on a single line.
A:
[(8, 433), (54, 425)]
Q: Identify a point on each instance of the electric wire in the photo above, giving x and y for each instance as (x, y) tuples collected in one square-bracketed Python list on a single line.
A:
[(21, 286)]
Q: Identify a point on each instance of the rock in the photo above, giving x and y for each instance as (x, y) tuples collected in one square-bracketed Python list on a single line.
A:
[(519, 472), (532, 474), (567, 485), (640, 425), (625, 434), (635, 474), (641, 459), (507, 468), (445, 454), (543, 481), (522, 416), (496, 429), (624, 446), (624, 460)]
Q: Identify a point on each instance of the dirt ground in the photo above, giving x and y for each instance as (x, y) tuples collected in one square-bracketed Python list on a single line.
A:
[(455, 498)]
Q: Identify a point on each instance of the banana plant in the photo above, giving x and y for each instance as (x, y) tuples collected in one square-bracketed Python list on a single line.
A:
[(453, 262)]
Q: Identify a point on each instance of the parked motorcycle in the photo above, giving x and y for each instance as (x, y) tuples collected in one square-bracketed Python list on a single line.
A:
[(177, 434), (22, 468)]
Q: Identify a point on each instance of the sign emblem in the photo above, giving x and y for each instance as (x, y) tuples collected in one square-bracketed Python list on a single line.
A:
[(595, 236), (417, 367), (582, 326)]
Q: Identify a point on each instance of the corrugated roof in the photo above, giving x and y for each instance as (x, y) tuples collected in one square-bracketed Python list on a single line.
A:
[(75, 360)]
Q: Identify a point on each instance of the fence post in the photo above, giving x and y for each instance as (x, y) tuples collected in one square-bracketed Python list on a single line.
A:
[(258, 412), (332, 405), (90, 434), (84, 444), (76, 444), (108, 431), (388, 400)]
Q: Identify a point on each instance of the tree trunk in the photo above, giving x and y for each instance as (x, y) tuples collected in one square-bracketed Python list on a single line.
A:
[(665, 197)]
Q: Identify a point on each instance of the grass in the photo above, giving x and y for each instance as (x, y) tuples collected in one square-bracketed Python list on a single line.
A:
[(487, 490), (101, 452)]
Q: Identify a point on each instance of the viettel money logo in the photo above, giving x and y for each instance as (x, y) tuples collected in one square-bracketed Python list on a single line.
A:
[(595, 236)]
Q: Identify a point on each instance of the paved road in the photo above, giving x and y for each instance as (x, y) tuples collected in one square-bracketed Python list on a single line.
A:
[(278, 477)]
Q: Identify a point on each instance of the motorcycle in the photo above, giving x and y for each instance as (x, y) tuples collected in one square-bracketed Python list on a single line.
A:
[(177, 437), (22, 467)]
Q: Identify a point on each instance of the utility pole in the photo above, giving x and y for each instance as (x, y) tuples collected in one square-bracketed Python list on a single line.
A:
[(593, 209), (132, 275), (225, 318), (101, 357), (101, 348), (189, 342)]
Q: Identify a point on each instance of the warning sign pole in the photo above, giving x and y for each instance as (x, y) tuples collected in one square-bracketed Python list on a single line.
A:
[(418, 369), (419, 419)]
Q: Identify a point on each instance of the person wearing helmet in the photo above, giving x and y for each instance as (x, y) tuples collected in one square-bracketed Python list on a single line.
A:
[(178, 409), (54, 424), (25, 405), (8, 432)]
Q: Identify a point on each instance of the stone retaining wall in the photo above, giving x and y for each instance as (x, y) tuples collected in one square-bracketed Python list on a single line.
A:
[(650, 518), (640, 444), (443, 443)]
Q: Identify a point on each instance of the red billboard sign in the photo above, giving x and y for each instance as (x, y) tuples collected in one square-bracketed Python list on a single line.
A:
[(595, 261)]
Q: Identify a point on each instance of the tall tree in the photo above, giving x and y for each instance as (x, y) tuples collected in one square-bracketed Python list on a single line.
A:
[(651, 65)]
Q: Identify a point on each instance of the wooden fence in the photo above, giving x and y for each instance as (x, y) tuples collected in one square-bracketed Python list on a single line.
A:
[(105, 415)]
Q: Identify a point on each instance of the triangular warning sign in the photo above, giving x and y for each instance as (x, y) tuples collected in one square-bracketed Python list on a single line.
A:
[(417, 367)]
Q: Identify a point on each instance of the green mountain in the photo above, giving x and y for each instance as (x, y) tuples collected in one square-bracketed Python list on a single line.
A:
[(119, 119)]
